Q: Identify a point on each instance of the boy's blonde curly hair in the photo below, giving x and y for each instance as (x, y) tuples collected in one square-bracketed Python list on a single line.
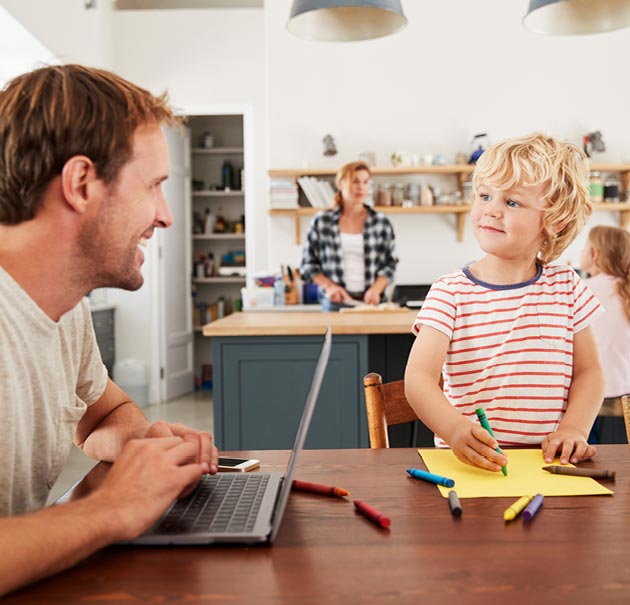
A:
[(559, 166)]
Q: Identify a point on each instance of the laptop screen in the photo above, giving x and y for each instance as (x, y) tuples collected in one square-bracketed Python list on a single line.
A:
[(307, 414)]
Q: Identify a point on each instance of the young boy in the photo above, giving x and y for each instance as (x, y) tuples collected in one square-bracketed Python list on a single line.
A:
[(510, 332)]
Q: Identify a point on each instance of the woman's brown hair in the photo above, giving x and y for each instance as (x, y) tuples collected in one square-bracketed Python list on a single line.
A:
[(347, 172), (613, 258)]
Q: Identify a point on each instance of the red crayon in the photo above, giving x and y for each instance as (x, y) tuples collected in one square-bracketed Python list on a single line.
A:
[(317, 488), (372, 514)]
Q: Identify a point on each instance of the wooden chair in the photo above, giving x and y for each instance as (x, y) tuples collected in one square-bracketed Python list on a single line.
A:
[(386, 405), (625, 404)]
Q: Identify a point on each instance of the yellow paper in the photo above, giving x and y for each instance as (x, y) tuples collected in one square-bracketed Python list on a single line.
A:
[(525, 477)]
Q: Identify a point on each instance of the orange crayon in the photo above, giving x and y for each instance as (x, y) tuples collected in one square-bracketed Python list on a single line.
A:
[(317, 488)]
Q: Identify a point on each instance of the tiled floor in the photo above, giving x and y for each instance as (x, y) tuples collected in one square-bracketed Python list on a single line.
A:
[(194, 410)]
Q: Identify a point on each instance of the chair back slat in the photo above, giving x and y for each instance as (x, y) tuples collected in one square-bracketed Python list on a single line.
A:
[(625, 405), (386, 405)]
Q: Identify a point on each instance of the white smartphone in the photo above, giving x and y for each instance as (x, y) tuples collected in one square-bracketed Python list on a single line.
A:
[(237, 464)]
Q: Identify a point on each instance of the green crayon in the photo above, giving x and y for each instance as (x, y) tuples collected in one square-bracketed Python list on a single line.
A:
[(483, 420)]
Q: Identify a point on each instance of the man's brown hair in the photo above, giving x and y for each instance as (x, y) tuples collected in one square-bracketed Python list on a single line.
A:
[(54, 113)]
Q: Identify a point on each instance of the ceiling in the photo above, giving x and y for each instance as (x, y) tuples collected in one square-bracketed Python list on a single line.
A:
[(184, 4)]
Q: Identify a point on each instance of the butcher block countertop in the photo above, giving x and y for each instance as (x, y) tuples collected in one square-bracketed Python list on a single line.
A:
[(252, 323)]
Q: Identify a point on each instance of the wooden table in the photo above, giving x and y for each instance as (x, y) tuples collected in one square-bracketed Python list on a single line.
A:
[(576, 550)]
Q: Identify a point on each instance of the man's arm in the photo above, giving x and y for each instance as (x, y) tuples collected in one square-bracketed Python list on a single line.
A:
[(146, 478), (114, 419), (109, 423)]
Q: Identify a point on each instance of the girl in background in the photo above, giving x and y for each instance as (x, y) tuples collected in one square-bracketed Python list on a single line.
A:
[(606, 257)]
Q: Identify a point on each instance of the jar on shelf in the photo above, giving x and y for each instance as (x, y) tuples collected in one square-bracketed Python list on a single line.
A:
[(596, 188), (612, 187), (426, 196), (413, 193), (384, 196), (398, 194)]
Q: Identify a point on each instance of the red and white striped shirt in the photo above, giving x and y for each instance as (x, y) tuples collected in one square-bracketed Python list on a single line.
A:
[(511, 347)]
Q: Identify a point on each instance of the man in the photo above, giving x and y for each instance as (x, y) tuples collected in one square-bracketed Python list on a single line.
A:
[(82, 162)]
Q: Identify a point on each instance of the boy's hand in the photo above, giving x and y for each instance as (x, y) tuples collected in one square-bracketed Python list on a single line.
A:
[(569, 445), (473, 445)]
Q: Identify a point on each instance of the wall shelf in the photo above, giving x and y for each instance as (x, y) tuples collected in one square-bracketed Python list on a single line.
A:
[(460, 213), (219, 280), (218, 193), (462, 171), (217, 150), (225, 236)]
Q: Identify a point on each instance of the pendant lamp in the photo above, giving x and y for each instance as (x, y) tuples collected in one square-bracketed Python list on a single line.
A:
[(573, 17), (345, 20)]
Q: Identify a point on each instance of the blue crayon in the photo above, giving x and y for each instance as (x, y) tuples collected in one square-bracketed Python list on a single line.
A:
[(532, 508), (430, 477)]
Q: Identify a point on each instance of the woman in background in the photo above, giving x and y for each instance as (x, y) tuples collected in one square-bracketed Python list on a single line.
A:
[(350, 250), (606, 257)]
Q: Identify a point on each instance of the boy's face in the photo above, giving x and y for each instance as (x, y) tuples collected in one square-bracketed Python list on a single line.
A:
[(508, 223)]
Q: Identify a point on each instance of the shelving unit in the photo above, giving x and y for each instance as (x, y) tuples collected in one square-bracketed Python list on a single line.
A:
[(206, 164), (462, 172)]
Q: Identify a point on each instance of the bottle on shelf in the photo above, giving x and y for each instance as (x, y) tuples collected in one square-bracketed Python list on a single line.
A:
[(236, 181), (208, 222), (200, 268), (220, 224), (596, 188), (210, 265), (221, 307), (278, 292), (227, 175), (198, 224)]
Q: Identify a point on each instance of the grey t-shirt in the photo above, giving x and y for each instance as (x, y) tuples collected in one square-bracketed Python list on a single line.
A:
[(50, 372)]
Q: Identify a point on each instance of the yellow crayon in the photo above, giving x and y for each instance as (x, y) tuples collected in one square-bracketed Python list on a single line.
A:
[(515, 510)]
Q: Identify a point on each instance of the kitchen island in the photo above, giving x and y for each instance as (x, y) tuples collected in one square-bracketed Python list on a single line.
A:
[(263, 363)]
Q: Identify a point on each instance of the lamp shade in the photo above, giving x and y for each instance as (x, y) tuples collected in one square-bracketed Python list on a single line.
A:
[(573, 17), (345, 20)]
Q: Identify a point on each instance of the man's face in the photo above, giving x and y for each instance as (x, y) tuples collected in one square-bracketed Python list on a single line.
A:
[(133, 206)]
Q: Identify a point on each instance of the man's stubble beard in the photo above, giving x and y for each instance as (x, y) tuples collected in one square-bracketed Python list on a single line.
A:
[(96, 266)]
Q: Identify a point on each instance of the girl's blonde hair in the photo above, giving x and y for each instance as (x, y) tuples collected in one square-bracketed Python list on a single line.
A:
[(561, 167), (613, 245), (347, 172)]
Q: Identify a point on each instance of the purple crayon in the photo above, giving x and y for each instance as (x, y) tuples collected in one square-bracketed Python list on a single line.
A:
[(532, 508)]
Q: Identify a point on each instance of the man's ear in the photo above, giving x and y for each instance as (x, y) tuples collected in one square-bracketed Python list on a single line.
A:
[(78, 178)]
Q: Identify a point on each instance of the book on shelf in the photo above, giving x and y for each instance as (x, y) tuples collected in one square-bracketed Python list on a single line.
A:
[(283, 194), (318, 193)]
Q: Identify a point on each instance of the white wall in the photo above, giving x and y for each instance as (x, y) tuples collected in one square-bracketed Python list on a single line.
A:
[(458, 68), (204, 59), (73, 33)]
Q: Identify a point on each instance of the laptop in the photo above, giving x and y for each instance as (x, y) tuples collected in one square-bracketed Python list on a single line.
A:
[(237, 508)]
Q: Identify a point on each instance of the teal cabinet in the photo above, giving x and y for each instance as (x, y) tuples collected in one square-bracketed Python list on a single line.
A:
[(261, 384)]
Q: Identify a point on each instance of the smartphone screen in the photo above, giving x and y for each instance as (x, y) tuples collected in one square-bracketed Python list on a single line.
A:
[(231, 461), (237, 464)]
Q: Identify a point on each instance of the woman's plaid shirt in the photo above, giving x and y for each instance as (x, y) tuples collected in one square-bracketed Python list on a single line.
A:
[(322, 251)]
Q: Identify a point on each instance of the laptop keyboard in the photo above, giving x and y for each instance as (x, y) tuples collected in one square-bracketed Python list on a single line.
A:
[(225, 502)]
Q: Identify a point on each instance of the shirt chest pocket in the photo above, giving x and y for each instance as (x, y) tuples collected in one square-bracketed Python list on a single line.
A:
[(67, 420), (554, 327)]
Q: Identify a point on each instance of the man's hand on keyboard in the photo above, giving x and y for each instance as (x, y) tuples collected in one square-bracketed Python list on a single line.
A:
[(145, 479), (207, 454)]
